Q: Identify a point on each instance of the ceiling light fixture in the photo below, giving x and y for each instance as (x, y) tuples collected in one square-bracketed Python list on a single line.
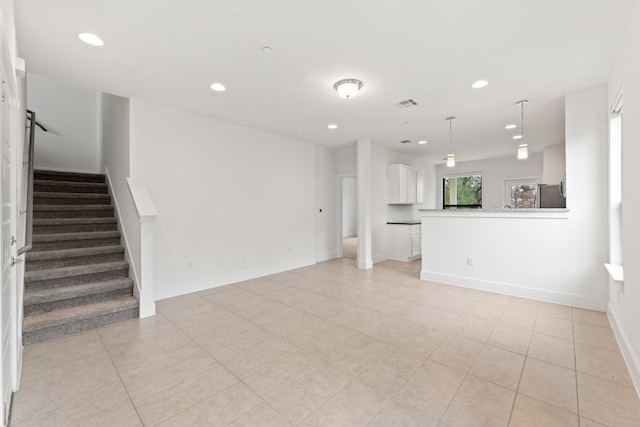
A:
[(451, 158), (511, 126), (516, 137), (91, 39), (523, 150), (348, 88), (333, 126), (218, 87), (479, 84), (422, 142)]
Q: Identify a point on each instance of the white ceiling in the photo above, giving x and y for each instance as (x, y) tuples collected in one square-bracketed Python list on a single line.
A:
[(168, 52)]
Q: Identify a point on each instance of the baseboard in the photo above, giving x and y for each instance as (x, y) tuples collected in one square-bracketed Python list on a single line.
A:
[(132, 268), (630, 358), (379, 258), (364, 264), (228, 279), (517, 291), (326, 256)]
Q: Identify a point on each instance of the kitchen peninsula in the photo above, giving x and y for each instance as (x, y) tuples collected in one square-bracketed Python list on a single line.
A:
[(522, 252)]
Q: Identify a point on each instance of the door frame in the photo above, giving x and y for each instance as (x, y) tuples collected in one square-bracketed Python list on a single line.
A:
[(339, 218)]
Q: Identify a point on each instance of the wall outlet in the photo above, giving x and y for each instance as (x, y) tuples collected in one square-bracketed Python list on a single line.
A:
[(189, 265), (471, 261), (289, 249)]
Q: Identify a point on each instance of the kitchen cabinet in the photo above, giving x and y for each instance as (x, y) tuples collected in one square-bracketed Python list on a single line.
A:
[(405, 185), (404, 241)]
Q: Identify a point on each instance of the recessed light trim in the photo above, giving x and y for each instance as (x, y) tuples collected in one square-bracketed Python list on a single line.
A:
[(422, 142), (479, 84), (266, 50), (517, 137), (91, 39), (218, 87), (333, 126), (510, 126)]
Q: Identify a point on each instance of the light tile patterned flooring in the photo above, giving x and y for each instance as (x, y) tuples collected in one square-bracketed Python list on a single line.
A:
[(331, 345)]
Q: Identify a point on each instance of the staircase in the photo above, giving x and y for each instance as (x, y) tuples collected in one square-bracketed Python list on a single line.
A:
[(76, 276)]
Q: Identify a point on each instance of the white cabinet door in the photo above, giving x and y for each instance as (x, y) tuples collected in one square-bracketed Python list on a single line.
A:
[(419, 186), (411, 185), (416, 243), (397, 184)]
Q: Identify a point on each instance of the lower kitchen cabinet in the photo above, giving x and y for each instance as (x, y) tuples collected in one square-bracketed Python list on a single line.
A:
[(404, 242)]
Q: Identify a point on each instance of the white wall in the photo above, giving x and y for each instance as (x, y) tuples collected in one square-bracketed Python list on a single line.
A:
[(232, 201), (624, 301), (494, 174), (71, 116), (349, 207), (557, 260), (113, 127), (553, 164)]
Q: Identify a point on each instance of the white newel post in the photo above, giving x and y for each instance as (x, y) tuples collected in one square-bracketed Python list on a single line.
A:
[(146, 215)]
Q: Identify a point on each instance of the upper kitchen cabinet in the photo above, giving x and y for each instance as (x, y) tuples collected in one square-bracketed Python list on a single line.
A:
[(405, 185)]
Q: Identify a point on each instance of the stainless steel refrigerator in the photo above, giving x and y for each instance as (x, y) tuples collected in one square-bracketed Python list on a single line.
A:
[(551, 196)]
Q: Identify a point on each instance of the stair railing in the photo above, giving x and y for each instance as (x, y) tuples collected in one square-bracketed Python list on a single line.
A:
[(26, 195)]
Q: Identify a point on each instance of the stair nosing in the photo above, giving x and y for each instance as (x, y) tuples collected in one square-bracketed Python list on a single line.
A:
[(74, 221), (91, 288), (81, 235), (47, 255), (46, 207), (62, 316), (64, 195), (33, 276)]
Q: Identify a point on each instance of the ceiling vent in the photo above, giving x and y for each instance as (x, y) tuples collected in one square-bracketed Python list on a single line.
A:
[(406, 103), (405, 141)]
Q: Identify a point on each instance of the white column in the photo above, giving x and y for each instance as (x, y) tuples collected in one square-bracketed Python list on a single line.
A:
[(365, 259)]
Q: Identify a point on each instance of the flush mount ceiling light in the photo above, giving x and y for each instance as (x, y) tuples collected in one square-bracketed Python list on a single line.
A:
[(523, 149), (479, 84), (348, 88), (333, 126), (91, 39), (451, 158), (511, 126), (422, 142), (218, 87)]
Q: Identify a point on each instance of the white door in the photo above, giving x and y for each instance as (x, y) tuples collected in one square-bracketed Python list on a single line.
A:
[(8, 250)]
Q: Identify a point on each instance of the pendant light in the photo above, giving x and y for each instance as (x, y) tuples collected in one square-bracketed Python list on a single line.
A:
[(523, 148), (451, 158)]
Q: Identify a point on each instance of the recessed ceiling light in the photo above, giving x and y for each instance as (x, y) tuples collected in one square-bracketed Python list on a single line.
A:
[(422, 142), (333, 126), (91, 39), (517, 137), (218, 87), (511, 126), (266, 49), (480, 83)]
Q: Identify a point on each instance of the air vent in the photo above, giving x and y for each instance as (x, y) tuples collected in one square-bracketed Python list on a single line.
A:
[(405, 141), (406, 103)]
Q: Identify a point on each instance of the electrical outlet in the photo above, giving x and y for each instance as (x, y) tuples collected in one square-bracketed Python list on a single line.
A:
[(289, 248), (189, 265), (470, 261)]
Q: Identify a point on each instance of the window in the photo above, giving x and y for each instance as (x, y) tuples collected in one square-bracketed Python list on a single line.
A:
[(521, 193), (462, 192)]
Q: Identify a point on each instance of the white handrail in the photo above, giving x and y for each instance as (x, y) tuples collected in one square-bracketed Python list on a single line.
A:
[(147, 213)]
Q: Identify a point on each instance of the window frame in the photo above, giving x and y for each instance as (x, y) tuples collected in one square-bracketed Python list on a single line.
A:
[(521, 180)]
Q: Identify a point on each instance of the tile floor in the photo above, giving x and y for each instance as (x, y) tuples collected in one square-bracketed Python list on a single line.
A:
[(331, 345)]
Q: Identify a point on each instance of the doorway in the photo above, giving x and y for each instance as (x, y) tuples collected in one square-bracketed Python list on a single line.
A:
[(348, 217)]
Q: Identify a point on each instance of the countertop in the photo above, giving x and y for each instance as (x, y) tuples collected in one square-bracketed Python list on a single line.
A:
[(410, 222)]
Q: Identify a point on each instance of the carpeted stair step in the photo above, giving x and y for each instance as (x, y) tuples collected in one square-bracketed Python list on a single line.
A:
[(73, 225), (55, 241), (69, 187), (46, 198), (39, 174), (75, 275), (72, 211), (39, 260), (57, 323), (46, 300)]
